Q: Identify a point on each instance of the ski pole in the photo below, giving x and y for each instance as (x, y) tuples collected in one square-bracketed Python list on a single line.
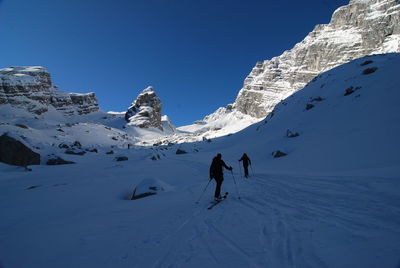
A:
[(203, 192), (240, 169), (237, 189), (252, 171)]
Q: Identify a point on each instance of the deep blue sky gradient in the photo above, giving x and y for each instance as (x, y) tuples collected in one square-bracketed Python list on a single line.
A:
[(196, 54)]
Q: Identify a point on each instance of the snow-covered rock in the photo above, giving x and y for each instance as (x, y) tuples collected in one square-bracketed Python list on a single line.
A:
[(149, 187), (145, 111), (30, 88)]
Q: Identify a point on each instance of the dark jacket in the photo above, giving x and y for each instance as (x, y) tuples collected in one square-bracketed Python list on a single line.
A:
[(246, 160), (216, 168)]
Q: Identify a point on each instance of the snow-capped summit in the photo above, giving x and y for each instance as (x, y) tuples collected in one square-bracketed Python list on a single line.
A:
[(145, 110), (148, 89), (31, 89)]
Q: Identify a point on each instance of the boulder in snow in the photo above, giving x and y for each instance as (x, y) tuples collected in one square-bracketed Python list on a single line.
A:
[(179, 151), (291, 134), (351, 90), (278, 154), (14, 152), (316, 99), (370, 70), (21, 126), (63, 145), (77, 144), (75, 152), (58, 161), (309, 106), (155, 157), (121, 158), (366, 62)]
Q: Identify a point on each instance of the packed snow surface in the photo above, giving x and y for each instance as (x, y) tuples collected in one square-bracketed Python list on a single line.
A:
[(333, 201)]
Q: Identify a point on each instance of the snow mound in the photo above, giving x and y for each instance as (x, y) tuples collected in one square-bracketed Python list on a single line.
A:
[(150, 186)]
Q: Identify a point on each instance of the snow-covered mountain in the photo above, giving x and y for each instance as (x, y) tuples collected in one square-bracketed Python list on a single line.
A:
[(331, 201), (30, 88), (362, 28), (346, 118), (32, 108), (145, 110)]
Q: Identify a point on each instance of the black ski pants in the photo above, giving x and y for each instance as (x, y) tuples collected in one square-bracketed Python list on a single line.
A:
[(219, 181), (246, 170)]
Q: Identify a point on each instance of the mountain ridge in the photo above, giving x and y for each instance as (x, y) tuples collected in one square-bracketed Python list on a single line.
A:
[(361, 28)]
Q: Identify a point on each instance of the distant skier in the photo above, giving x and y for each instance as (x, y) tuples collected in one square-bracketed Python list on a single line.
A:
[(217, 174), (246, 162)]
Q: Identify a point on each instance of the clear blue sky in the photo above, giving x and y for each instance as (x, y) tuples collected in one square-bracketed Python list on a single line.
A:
[(196, 53)]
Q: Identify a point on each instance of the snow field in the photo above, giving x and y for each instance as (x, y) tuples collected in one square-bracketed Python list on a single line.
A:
[(79, 215)]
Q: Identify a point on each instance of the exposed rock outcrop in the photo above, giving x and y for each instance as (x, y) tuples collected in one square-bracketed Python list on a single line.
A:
[(58, 161), (14, 152), (278, 154), (179, 151), (30, 88), (145, 111), (121, 158), (361, 28)]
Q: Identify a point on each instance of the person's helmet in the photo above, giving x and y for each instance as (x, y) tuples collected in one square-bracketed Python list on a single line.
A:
[(219, 155)]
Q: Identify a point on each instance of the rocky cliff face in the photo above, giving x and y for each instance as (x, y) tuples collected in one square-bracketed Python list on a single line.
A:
[(145, 111), (30, 88), (361, 28)]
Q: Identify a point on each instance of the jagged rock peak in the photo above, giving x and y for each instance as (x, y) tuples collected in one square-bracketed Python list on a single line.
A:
[(361, 28), (31, 88), (145, 111)]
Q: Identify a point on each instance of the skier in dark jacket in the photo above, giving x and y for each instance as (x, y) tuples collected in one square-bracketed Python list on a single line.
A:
[(217, 173), (246, 162)]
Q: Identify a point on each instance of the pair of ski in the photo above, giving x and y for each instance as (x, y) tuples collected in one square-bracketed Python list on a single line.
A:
[(216, 202)]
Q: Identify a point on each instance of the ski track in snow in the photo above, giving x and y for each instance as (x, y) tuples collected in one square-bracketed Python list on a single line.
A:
[(280, 221)]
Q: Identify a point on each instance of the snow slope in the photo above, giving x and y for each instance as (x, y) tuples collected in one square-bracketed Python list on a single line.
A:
[(333, 201), (360, 129), (222, 122)]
